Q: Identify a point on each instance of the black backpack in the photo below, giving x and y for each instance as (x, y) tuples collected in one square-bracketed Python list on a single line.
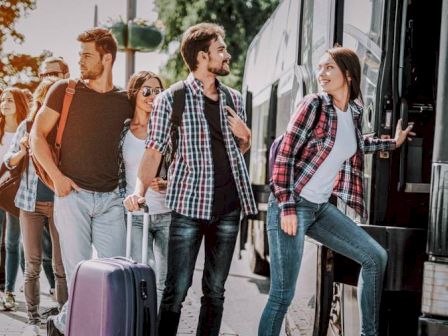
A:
[(178, 90)]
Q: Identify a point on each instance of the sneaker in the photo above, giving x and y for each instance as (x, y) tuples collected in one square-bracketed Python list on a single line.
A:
[(9, 302), (31, 330), (51, 328), (49, 312)]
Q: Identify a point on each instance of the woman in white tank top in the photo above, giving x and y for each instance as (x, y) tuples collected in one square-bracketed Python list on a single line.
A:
[(143, 88)]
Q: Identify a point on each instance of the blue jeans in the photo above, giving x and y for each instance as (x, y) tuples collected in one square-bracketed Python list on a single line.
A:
[(158, 237), (83, 219), (12, 247), (326, 224), (185, 240)]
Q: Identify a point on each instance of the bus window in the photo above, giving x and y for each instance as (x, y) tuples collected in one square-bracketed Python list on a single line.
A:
[(317, 34)]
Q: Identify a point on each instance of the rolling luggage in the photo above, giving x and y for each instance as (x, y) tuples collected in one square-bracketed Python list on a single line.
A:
[(114, 296)]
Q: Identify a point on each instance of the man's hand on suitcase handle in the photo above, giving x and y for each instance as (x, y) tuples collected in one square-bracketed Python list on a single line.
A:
[(134, 202)]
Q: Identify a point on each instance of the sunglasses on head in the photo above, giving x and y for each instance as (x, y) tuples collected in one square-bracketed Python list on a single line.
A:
[(148, 91), (50, 74)]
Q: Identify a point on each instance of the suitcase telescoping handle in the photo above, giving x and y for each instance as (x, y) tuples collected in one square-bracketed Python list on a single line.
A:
[(145, 234)]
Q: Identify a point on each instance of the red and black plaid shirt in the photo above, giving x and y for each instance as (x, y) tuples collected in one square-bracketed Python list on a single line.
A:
[(304, 148)]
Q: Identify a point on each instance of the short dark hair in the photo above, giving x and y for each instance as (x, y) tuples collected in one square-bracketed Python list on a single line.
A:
[(198, 38), (136, 81), (348, 62), (105, 42)]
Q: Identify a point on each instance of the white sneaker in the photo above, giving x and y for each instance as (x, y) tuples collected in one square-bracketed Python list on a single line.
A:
[(31, 330)]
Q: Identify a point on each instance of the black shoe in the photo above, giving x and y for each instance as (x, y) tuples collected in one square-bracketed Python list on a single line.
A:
[(51, 329)]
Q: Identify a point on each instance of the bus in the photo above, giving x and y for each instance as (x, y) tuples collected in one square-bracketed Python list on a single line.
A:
[(402, 46)]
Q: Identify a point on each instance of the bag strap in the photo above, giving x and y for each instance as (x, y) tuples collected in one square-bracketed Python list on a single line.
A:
[(229, 99), (68, 97), (26, 159), (178, 91)]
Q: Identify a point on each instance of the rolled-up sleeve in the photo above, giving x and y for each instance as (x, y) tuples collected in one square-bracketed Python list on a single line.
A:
[(159, 124)]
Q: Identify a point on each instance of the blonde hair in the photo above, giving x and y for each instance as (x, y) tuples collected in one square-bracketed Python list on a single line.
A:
[(40, 93)]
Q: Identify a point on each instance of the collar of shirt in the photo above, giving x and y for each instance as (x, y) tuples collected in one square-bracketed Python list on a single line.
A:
[(197, 87)]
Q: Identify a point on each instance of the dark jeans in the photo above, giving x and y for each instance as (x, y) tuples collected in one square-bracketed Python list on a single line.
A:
[(185, 240)]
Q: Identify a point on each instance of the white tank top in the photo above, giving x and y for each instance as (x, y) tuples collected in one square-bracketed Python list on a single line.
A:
[(320, 186), (133, 149), (6, 142)]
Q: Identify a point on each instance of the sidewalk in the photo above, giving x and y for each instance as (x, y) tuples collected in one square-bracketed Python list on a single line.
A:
[(13, 323)]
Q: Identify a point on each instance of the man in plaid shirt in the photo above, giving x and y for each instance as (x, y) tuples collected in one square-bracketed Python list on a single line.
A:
[(208, 181)]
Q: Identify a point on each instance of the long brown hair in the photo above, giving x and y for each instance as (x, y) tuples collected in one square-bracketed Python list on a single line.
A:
[(40, 94), (21, 103), (136, 81), (348, 62)]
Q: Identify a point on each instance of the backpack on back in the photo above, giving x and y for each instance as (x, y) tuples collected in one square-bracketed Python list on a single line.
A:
[(275, 147)]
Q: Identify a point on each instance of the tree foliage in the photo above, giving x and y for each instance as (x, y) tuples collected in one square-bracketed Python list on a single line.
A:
[(241, 20), (17, 69)]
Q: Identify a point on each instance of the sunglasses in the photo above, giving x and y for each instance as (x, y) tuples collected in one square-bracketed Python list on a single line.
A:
[(50, 74), (148, 91)]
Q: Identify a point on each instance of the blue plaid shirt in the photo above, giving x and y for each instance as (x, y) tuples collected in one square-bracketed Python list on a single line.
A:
[(26, 195), (191, 175)]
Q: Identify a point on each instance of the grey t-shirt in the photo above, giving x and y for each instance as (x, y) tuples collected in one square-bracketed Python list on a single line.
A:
[(89, 152)]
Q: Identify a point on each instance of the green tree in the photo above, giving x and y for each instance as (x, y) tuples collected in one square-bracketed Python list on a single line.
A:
[(241, 20), (17, 69)]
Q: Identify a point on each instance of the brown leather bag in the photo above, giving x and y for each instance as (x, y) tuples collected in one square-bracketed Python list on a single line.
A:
[(56, 148)]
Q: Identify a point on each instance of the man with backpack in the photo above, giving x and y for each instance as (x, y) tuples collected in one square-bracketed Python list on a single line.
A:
[(208, 181), (88, 209)]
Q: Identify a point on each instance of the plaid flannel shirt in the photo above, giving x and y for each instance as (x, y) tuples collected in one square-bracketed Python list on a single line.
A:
[(191, 179), (303, 150), (27, 192)]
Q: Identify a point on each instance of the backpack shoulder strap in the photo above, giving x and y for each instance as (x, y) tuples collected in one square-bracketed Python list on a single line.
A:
[(178, 90), (68, 97), (229, 99)]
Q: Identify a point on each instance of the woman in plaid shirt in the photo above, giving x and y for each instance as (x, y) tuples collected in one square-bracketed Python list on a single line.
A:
[(322, 153)]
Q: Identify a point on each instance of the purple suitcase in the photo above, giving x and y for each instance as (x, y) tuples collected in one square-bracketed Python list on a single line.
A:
[(114, 296)]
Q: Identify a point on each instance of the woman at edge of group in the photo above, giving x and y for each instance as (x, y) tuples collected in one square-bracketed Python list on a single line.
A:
[(35, 201), (13, 110), (316, 159), (143, 87)]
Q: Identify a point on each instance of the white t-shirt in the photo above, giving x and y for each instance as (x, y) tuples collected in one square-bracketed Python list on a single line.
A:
[(320, 186), (6, 142), (133, 149)]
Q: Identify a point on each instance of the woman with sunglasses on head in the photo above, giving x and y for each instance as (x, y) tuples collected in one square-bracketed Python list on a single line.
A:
[(13, 110), (322, 153), (143, 87)]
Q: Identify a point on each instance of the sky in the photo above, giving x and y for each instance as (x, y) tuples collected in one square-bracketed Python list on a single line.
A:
[(55, 24)]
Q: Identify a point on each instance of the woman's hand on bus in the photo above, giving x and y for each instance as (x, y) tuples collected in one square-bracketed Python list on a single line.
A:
[(289, 224), (401, 135)]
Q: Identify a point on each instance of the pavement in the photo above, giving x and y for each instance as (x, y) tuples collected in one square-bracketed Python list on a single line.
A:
[(14, 323)]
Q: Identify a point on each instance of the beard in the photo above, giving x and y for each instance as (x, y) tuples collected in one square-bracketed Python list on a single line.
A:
[(221, 71), (94, 73)]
